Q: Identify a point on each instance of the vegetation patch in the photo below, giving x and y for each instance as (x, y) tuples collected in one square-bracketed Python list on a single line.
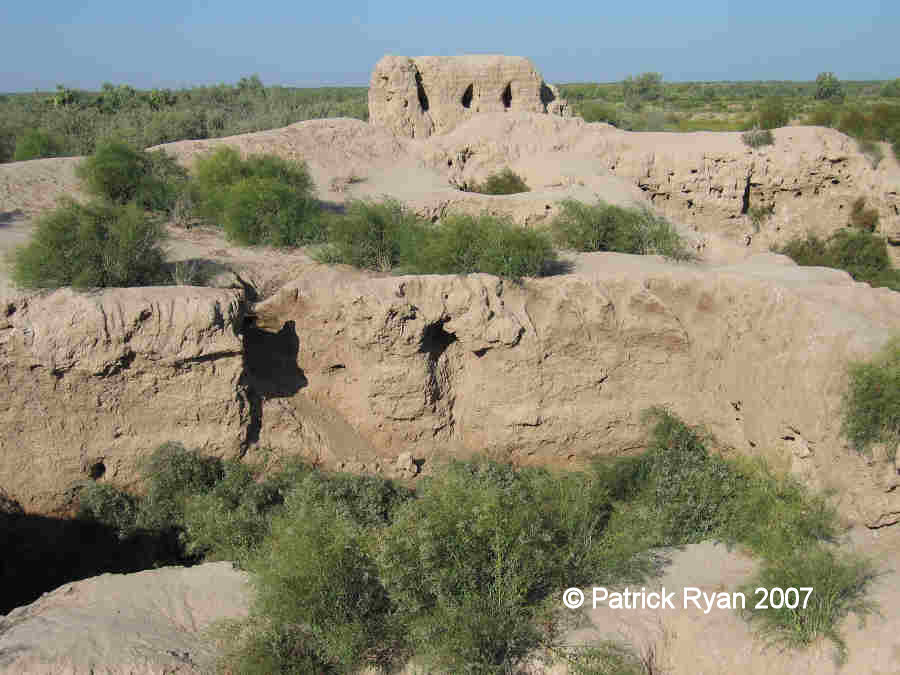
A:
[(606, 227), (872, 402), (861, 217), (78, 120), (35, 144), (386, 236), (758, 138), (120, 173), (464, 573), (465, 244), (861, 253), (263, 199), (91, 245), (505, 182)]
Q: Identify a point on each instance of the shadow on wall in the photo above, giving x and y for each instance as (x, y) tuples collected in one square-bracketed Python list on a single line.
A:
[(270, 360)]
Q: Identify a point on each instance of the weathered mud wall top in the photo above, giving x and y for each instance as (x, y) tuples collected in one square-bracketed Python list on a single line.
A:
[(418, 97)]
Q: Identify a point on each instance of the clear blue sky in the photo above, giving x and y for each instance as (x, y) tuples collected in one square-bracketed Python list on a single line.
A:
[(172, 43)]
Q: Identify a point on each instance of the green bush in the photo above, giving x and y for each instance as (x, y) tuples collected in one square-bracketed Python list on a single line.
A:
[(607, 657), (873, 153), (860, 253), (505, 182), (892, 89), (375, 236), (757, 138), (596, 111), (871, 411), (120, 173), (263, 199), (110, 506), (760, 214), (175, 474), (35, 144), (229, 520), (267, 211), (470, 560), (854, 122), (314, 576), (861, 217), (91, 245), (825, 115), (607, 227), (839, 583), (465, 244), (772, 113)]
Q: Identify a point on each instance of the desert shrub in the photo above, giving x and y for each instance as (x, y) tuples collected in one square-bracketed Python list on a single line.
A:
[(873, 153), (211, 176), (677, 492), (757, 138), (468, 562), (173, 475), (828, 87), (839, 582), (772, 113), (367, 501), (860, 253), (505, 182), (597, 111), (871, 407), (229, 519), (35, 144), (110, 506), (690, 491), (263, 199), (267, 211), (375, 236), (853, 122), (609, 657), (121, 173), (861, 217), (825, 115), (90, 245), (464, 244), (760, 214), (607, 227), (315, 578)]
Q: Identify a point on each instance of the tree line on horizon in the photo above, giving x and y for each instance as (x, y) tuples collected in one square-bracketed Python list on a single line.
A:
[(71, 122)]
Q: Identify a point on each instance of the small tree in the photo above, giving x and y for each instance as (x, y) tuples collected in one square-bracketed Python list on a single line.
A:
[(641, 89), (892, 89), (828, 87)]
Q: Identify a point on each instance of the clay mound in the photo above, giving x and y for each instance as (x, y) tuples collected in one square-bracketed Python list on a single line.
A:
[(28, 188), (148, 623)]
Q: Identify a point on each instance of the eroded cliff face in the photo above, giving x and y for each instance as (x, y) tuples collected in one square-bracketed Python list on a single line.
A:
[(559, 369), (91, 381)]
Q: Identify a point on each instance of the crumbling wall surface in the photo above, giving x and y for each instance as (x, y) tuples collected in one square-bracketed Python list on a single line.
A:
[(418, 97), (91, 381)]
